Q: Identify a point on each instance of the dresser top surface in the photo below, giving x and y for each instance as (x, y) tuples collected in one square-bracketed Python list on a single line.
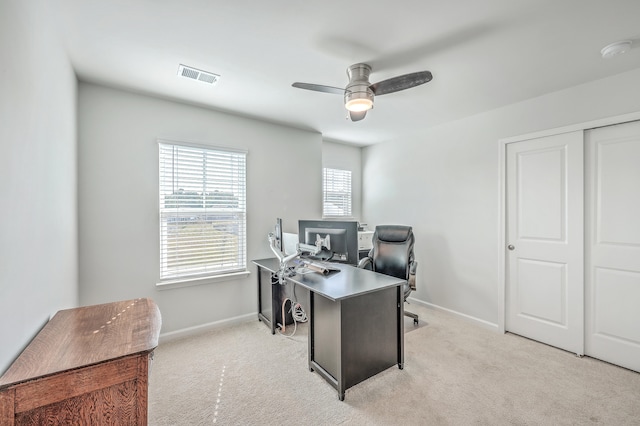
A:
[(88, 335)]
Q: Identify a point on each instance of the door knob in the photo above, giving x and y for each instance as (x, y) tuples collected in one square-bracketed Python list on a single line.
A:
[(511, 247)]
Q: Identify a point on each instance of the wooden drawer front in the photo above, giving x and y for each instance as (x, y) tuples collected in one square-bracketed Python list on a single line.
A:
[(73, 383), (115, 405), (110, 393)]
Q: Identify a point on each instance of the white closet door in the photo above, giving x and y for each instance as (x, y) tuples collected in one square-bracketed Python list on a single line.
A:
[(545, 261), (613, 245)]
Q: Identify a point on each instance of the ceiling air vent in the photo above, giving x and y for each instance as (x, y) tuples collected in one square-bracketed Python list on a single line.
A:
[(196, 74)]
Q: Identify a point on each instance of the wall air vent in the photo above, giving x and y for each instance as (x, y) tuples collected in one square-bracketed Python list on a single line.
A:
[(196, 74)]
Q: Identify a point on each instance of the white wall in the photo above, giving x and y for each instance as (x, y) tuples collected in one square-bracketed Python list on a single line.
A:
[(118, 198), (444, 182), (346, 157), (38, 230)]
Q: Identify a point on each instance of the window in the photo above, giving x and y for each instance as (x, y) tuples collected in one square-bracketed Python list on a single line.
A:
[(336, 190), (202, 211)]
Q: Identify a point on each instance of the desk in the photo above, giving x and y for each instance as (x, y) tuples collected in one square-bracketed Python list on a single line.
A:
[(356, 325)]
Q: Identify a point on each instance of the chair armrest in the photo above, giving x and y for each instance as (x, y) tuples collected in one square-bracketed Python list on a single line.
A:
[(366, 263), (413, 267)]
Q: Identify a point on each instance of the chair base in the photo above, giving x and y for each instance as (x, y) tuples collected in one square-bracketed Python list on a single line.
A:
[(412, 315)]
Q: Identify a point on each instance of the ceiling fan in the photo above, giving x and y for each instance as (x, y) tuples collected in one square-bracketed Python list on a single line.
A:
[(359, 93)]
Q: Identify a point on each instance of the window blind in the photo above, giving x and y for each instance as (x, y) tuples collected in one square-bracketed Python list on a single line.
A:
[(336, 189), (202, 211)]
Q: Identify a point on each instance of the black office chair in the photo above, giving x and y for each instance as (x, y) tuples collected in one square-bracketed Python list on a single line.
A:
[(392, 254)]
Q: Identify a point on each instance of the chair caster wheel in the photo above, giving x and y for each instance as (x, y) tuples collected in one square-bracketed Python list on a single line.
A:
[(415, 321)]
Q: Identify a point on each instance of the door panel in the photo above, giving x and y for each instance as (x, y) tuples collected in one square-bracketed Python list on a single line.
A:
[(542, 291), (616, 304), (617, 192), (545, 229), (540, 180), (613, 245)]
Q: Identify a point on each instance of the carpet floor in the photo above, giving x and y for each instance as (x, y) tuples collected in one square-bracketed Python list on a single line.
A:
[(455, 373)]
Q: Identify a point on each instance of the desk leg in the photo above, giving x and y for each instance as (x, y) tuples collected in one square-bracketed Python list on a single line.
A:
[(261, 317), (310, 338), (400, 319), (259, 294)]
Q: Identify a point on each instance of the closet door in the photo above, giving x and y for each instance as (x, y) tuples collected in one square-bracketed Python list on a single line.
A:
[(613, 245), (545, 262)]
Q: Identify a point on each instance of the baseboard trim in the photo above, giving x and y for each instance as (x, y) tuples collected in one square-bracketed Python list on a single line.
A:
[(482, 323), (203, 328)]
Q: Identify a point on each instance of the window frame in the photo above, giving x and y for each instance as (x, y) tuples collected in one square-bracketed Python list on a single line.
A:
[(234, 222), (347, 195)]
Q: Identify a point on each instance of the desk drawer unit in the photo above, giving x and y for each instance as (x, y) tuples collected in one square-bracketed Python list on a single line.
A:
[(354, 338)]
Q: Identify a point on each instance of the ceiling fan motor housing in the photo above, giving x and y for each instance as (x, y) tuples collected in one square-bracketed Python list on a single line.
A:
[(358, 95)]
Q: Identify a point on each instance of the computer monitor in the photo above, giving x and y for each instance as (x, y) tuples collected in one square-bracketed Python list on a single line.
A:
[(343, 237), (278, 235)]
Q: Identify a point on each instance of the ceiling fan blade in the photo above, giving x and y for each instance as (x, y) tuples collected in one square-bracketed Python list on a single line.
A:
[(319, 88), (402, 82), (357, 116)]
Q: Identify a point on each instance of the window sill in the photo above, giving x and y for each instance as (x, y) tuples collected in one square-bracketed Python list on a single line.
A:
[(171, 284)]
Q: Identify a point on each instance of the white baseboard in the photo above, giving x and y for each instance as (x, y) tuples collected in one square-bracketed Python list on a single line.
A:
[(482, 323), (202, 328)]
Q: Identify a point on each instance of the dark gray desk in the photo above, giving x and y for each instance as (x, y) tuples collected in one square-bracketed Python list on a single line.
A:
[(356, 325)]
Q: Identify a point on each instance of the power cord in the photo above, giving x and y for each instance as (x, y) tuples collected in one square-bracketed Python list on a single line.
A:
[(297, 313)]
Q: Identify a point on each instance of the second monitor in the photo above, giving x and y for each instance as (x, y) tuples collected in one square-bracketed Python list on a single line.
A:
[(343, 237)]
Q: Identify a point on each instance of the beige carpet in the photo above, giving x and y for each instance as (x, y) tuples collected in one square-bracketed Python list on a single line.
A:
[(456, 373)]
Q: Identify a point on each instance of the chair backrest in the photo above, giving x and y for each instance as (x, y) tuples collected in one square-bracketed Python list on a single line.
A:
[(392, 251)]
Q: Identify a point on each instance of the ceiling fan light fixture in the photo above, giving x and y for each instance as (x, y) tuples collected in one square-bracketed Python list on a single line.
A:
[(358, 101), (359, 105)]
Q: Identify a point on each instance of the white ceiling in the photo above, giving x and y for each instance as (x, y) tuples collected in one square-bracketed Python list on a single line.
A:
[(483, 54)]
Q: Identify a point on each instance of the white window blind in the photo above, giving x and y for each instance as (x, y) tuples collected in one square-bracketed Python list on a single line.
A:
[(336, 189), (202, 211)]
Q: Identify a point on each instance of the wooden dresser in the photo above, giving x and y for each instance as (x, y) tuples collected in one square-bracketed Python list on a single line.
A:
[(87, 366)]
